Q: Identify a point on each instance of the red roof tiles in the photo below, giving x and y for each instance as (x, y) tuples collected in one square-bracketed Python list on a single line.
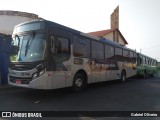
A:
[(104, 32), (101, 33)]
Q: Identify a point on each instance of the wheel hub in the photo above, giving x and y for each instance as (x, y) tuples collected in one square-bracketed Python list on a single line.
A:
[(78, 82)]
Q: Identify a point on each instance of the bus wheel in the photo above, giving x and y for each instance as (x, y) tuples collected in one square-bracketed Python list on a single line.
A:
[(78, 82), (123, 76)]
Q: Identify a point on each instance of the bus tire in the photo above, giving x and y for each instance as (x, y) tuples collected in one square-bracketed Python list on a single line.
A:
[(123, 76), (78, 82)]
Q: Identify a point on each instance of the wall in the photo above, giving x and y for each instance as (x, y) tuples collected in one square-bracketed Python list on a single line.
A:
[(109, 36), (121, 41), (9, 19), (113, 36), (7, 23)]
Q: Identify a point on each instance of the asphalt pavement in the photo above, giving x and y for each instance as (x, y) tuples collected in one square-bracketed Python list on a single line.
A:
[(134, 95)]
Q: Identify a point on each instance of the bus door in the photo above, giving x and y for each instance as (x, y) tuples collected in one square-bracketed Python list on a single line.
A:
[(60, 54)]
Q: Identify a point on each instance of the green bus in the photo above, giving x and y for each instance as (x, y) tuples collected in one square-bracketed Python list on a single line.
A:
[(146, 66)]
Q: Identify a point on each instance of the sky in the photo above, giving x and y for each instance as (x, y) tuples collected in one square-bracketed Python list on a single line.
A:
[(139, 20)]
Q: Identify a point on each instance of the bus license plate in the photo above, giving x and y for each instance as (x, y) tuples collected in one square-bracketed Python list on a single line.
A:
[(18, 81)]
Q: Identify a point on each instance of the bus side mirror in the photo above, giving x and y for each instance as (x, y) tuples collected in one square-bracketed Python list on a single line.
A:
[(14, 50)]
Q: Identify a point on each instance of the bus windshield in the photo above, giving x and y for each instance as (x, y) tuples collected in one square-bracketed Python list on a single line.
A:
[(30, 48)]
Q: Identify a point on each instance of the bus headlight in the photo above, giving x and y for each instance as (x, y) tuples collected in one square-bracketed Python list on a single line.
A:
[(35, 75), (41, 72)]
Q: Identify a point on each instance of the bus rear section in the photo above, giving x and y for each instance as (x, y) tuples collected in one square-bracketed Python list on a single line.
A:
[(146, 66)]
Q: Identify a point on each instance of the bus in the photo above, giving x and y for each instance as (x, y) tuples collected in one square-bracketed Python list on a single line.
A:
[(47, 55), (146, 66)]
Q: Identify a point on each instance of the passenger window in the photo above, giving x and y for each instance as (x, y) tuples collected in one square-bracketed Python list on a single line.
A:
[(126, 55), (97, 50), (60, 48), (118, 54), (109, 52), (81, 47)]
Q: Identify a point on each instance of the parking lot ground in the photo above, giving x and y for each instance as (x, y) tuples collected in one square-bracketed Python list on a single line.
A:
[(134, 95)]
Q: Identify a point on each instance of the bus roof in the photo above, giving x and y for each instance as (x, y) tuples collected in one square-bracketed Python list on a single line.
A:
[(51, 24), (146, 56)]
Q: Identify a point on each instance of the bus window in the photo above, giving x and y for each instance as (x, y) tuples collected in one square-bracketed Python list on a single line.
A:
[(126, 55), (81, 47), (132, 56), (109, 52), (118, 54), (154, 62), (144, 60), (60, 49), (149, 61), (97, 50)]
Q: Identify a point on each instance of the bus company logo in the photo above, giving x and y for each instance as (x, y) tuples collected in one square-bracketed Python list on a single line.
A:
[(6, 114)]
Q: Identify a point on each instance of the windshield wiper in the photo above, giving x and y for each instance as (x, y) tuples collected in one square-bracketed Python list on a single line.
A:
[(18, 40), (32, 35), (15, 48)]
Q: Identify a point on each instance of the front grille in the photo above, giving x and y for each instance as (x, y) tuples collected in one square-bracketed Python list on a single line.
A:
[(23, 80), (22, 66)]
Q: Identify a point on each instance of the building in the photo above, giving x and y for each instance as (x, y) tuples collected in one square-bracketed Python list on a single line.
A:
[(114, 33), (111, 34), (9, 19)]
